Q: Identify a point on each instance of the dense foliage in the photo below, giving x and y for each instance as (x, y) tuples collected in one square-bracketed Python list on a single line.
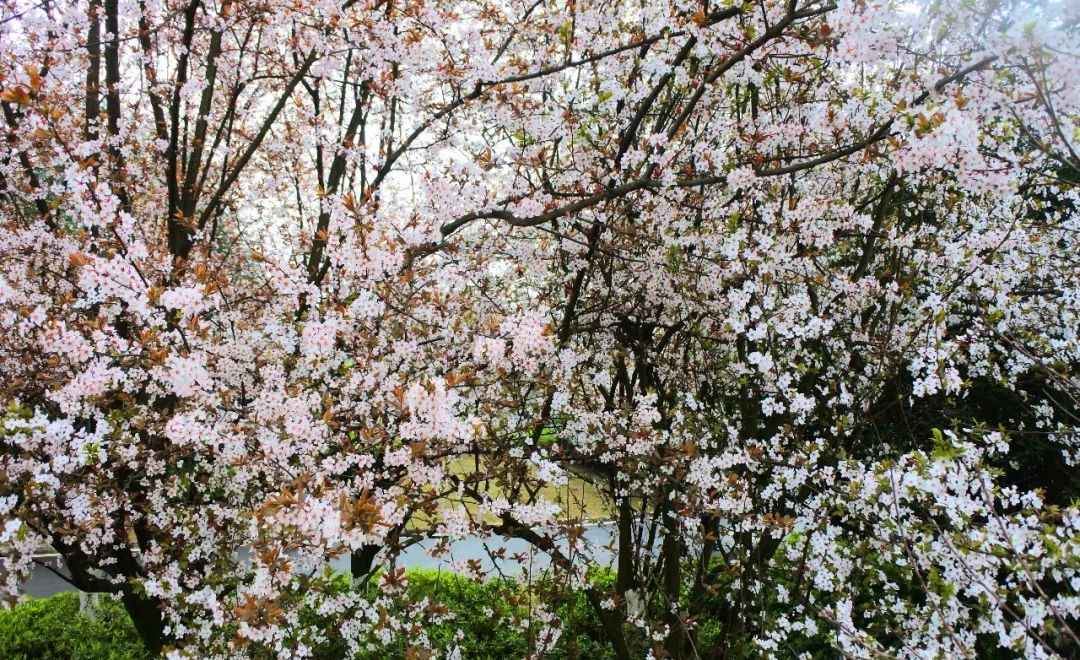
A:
[(793, 283), (54, 629), (477, 619)]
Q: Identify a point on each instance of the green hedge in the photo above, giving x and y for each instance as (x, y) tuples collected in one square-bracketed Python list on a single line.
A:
[(479, 616), (491, 637), (53, 628)]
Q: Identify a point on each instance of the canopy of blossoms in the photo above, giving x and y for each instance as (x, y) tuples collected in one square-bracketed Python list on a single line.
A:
[(793, 283)]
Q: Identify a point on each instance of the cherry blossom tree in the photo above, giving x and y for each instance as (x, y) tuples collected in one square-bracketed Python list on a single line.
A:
[(812, 267), (792, 282)]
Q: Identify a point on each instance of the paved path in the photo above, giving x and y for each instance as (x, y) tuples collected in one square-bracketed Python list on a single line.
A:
[(44, 582)]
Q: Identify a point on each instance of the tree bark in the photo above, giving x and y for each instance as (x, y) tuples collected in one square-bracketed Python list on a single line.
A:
[(145, 613), (612, 621), (360, 562), (676, 639)]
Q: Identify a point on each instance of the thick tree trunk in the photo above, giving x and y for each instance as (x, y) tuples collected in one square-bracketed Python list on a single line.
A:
[(360, 562), (145, 613)]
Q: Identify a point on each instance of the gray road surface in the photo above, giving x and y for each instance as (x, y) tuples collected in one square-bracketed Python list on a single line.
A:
[(45, 582)]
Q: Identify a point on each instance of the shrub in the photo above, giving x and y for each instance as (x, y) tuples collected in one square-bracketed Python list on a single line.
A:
[(479, 622), (482, 615), (54, 628)]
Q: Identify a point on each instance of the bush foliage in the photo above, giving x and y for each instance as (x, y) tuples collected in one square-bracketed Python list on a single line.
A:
[(53, 628)]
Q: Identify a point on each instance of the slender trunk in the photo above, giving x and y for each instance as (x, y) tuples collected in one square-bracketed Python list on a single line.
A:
[(93, 71), (676, 639), (612, 621), (626, 578), (697, 592)]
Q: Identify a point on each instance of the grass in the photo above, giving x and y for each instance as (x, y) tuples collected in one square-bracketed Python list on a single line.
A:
[(579, 500)]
